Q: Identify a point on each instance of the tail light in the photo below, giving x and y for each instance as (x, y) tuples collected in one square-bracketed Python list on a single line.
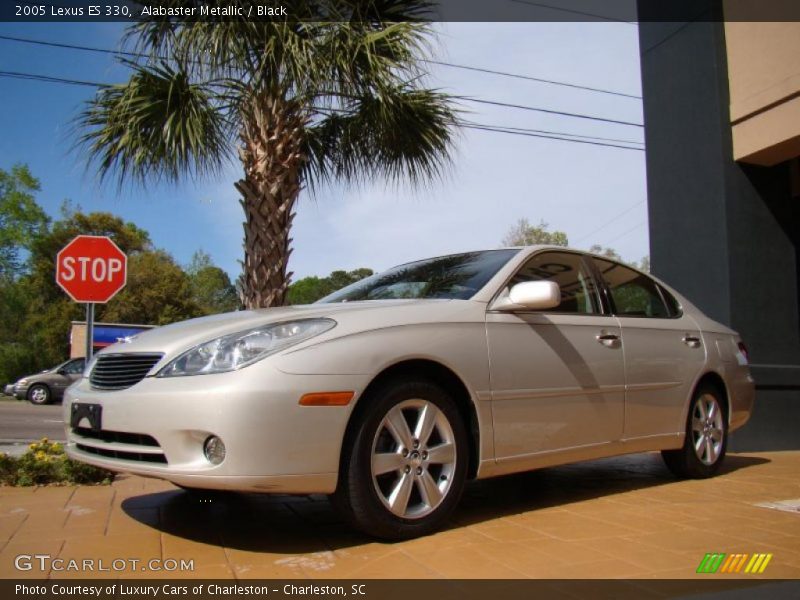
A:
[(743, 350)]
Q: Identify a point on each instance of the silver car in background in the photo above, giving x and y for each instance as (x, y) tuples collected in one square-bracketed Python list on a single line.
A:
[(49, 385), (391, 393)]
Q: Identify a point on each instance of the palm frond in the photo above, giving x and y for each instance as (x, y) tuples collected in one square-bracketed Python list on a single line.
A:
[(401, 133), (157, 125)]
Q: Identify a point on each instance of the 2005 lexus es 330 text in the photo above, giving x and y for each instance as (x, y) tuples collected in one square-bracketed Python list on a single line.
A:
[(389, 394)]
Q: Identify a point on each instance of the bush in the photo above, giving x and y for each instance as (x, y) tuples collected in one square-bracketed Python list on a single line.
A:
[(46, 463)]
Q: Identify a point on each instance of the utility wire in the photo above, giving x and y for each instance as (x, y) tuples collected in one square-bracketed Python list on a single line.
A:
[(548, 111), (49, 79), (548, 137), (574, 11), (468, 125), (564, 133), (625, 233), (430, 61), (530, 78), (612, 220)]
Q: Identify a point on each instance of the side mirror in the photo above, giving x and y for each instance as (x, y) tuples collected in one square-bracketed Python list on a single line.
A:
[(532, 295)]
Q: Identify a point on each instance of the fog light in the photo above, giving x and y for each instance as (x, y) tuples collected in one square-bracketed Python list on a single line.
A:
[(214, 450)]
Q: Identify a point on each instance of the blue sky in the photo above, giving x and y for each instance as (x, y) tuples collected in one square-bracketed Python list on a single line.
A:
[(495, 180)]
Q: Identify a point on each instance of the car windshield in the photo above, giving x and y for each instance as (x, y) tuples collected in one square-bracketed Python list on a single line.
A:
[(458, 276)]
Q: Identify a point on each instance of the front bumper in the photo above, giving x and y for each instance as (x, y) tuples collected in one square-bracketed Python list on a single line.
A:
[(20, 392), (272, 443)]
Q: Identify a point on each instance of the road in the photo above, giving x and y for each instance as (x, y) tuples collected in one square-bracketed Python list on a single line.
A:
[(22, 422)]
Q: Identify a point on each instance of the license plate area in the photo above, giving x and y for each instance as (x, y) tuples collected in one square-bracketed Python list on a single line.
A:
[(82, 412)]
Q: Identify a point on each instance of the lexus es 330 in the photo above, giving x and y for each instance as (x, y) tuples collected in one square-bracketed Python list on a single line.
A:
[(391, 393)]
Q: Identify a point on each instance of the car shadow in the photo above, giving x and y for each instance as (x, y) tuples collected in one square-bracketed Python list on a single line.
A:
[(306, 524)]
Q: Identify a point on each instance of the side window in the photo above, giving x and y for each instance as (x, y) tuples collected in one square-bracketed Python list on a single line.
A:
[(578, 292), (633, 294), (672, 304), (74, 367)]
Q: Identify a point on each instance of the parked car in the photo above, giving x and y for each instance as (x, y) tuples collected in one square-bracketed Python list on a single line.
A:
[(49, 385), (391, 393)]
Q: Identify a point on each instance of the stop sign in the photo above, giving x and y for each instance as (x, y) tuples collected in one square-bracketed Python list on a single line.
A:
[(91, 268)]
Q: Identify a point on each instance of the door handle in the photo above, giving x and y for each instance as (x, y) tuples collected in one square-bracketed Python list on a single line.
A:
[(608, 339), (691, 340)]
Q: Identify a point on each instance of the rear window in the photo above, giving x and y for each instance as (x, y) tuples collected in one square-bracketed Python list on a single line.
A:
[(633, 294)]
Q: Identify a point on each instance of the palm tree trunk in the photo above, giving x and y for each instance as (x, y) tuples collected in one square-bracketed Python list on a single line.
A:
[(271, 136)]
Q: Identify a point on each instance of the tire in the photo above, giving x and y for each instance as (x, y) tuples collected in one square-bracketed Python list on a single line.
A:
[(39, 394), (706, 439), (404, 469)]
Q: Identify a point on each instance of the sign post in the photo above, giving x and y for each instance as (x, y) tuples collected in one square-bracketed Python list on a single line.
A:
[(91, 269), (89, 331)]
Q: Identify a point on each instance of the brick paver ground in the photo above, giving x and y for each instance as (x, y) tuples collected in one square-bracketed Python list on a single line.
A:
[(616, 518)]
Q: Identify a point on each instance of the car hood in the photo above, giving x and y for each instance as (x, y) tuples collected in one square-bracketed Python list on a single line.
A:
[(351, 317)]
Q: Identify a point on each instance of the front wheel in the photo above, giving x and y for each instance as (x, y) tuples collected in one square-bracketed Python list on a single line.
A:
[(405, 469), (706, 437), (39, 394)]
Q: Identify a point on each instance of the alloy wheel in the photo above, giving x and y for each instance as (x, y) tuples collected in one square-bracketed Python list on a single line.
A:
[(413, 458), (707, 429)]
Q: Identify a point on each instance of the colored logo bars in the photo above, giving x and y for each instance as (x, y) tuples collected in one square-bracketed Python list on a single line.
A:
[(734, 563)]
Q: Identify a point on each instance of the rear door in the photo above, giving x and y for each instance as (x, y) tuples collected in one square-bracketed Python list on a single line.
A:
[(557, 375), (664, 351)]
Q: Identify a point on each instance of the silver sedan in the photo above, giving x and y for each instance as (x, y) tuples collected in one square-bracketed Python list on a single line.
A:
[(393, 392)]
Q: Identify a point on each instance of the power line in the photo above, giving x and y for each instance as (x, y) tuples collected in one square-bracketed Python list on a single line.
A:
[(49, 79), (549, 137), (549, 111), (564, 133), (468, 125), (624, 233), (531, 78), (574, 11), (435, 62), (612, 220)]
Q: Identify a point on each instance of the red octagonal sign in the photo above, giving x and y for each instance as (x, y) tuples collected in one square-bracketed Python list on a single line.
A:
[(91, 268)]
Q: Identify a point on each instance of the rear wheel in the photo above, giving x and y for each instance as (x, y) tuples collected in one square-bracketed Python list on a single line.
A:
[(39, 394), (404, 471), (706, 437)]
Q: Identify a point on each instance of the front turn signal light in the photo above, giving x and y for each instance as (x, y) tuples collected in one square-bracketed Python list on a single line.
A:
[(327, 399)]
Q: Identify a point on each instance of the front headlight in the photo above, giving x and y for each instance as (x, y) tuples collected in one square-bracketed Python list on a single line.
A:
[(238, 350)]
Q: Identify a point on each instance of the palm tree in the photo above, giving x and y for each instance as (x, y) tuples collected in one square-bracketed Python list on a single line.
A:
[(332, 93)]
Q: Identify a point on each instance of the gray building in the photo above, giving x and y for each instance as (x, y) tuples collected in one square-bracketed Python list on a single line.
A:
[(722, 128)]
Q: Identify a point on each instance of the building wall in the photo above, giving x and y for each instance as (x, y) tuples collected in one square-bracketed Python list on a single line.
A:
[(723, 232), (764, 85), (77, 340)]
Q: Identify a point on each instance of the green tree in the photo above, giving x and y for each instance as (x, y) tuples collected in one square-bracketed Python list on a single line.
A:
[(311, 289), (525, 234), (211, 287), (21, 218), (333, 93), (44, 248), (642, 265), (44, 325), (158, 292)]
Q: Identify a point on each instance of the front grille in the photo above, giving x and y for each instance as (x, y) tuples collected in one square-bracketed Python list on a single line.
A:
[(124, 455), (120, 437), (120, 371)]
